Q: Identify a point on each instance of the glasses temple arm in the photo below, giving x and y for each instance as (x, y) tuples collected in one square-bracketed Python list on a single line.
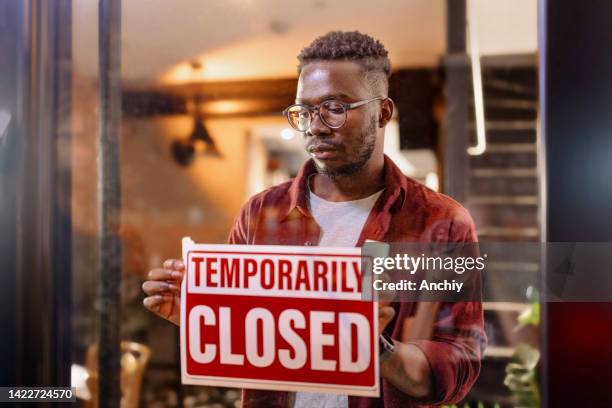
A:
[(360, 103)]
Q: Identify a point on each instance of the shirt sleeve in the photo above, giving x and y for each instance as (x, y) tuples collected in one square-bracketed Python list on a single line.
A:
[(455, 348), (454, 351)]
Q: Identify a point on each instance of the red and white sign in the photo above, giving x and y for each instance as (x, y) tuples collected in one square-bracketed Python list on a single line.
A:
[(277, 318)]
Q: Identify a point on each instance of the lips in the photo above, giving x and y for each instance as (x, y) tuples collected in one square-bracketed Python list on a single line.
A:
[(323, 151), (321, 148)]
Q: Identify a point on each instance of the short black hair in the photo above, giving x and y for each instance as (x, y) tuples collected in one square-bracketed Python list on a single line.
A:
[(354, 46)]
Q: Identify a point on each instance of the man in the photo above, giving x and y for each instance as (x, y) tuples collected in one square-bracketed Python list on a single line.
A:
[(349, 192)]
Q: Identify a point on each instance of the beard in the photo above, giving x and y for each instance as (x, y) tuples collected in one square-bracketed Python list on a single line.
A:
[(367, 142)]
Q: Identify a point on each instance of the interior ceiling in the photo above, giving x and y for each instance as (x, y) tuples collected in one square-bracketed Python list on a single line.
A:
[(241, 39)]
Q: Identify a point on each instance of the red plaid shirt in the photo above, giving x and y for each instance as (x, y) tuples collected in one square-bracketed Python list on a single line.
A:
[(406, 211)]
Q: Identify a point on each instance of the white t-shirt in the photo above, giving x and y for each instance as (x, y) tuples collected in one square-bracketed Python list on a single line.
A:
[(341, 223)]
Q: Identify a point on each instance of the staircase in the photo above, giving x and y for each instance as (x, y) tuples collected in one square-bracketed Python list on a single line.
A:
[(503, 195), (503, 200)]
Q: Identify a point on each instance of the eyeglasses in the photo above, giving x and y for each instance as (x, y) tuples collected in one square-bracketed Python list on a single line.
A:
[(332, 113)]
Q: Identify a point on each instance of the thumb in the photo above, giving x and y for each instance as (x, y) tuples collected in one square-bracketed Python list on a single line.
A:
[(385, 315)]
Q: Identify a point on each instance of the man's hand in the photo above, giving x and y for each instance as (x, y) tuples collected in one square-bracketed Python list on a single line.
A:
[(385, 315), (163, 289), (407, 367)]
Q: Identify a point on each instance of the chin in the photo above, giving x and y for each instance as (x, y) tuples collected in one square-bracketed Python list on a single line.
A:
[(337, 170)]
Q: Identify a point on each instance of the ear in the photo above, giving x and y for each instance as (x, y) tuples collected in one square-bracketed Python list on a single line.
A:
[(386, 112)]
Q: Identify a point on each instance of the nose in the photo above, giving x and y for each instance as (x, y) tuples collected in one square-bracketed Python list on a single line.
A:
[(317, 127)]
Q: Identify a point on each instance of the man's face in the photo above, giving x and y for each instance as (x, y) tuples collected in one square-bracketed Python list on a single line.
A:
[(343, 151)]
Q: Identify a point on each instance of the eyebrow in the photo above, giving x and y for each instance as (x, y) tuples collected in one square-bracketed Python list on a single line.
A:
[(326, 98)]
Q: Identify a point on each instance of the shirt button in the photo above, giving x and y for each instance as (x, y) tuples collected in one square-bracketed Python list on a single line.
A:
[(308, 243)]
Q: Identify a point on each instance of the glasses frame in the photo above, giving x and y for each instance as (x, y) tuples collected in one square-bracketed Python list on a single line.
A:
[(317, 108)]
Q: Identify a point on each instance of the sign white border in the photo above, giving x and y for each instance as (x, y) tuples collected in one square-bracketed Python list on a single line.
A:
[(275, 385)]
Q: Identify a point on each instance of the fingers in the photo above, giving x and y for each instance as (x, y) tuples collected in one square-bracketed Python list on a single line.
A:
[(153, 288), (163, 285), (154, 303), (163, 290), (386, 312), (175, 264), (165, 275), (385, 315)]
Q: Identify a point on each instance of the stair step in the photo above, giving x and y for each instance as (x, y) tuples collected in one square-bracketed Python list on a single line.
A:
[(524, 232), (507, 110), (518, 216), (505, 160), (508, 125), (503, 200), (509, 86), (511, 148), (501, 113), (504, 185), (504, 172), (527, 74), (512, 103), (508, 136), (493, 92)]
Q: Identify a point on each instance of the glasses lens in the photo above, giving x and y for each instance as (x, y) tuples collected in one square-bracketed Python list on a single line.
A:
[(333, 113), (299, 117)]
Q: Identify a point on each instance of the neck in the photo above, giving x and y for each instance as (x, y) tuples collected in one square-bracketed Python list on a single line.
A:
[(365, 182)]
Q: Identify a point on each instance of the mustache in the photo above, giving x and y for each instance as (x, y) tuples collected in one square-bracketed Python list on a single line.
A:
[(327, 145)]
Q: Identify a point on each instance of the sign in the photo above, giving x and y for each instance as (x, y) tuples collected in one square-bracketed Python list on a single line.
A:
[(277, 318)]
